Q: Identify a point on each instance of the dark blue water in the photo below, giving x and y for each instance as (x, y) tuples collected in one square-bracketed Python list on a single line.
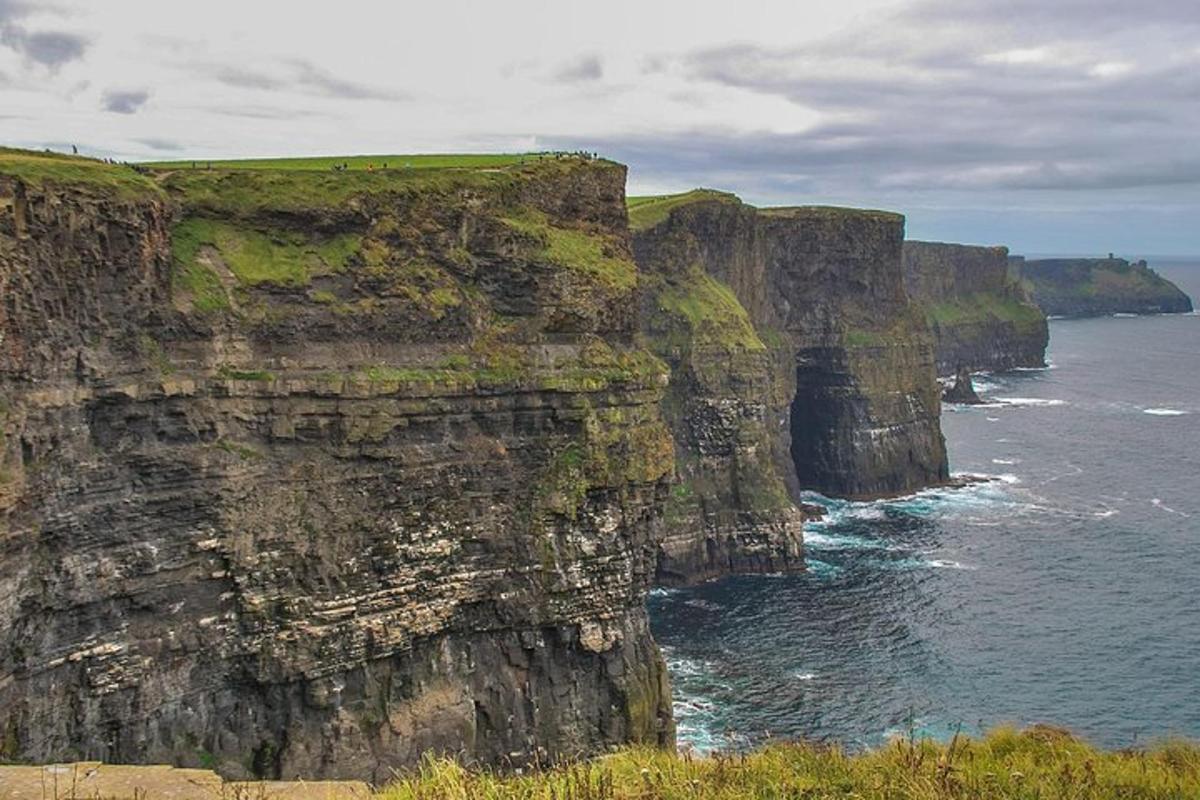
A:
[(1066, 591)]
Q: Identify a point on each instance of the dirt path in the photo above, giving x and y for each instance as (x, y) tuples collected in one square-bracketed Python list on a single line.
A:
[(91, 780)]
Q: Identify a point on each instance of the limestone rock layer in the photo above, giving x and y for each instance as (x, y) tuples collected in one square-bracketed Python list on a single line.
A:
[(306, 474), (797, 363)]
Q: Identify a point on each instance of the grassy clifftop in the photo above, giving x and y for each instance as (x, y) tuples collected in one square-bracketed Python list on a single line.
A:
[(42, 168), (1083, 287), (1041, 763), (352, 163), (649, 210)]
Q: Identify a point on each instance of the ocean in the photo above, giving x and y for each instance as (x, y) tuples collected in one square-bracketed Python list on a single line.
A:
[(1064, 591)]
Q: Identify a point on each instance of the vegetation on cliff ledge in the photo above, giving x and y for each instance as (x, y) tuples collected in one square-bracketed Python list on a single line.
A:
[(576, 250), (285, 258), (984, 307), (708, 314), (1039, 763)]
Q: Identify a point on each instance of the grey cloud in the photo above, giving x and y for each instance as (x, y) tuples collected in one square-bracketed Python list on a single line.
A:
[(11, 10), (321, 82), (653, 64), (51, 49), (967, 95), (163, 145), (586, 68), (303, 76), (263, 112), (248, 79), (124, 101)]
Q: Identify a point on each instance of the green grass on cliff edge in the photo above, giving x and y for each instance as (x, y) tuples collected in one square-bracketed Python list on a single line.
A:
[(40, 168), (1042, 763), (353, 163), (647, 211)]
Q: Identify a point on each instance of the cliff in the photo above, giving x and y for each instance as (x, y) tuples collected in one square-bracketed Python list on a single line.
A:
[(726, 404), (982, 317), (797, 363), (1082, 287), (303, 473)]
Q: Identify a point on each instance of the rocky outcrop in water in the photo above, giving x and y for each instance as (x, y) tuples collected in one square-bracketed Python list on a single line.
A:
[(797, 363), (962, 391), (981, 315), (1084, 287), (308, 473)]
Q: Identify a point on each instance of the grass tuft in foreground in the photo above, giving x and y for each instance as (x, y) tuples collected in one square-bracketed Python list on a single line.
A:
[(1041, 763)]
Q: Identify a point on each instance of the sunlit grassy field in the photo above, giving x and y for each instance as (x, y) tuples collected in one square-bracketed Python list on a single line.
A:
[(327, 163), (1041, 763)]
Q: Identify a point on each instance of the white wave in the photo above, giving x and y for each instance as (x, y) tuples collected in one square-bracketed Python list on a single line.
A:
[(1008, 462), (1122, 315), (819, 568), (805, 676), (1158, 503), (823, 541), (993, 419), (1029, 401), (1111, 512), (1164, 412), (938, 563)]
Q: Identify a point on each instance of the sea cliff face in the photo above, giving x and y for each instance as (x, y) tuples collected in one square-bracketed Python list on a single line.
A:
[(833, 368), (1083, 287), (303, 474), (981, 316), (726, 403)]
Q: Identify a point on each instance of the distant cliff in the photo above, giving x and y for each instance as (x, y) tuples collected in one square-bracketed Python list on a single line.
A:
[(797, 363), (306, 473), (1081, 287), (981, 316)]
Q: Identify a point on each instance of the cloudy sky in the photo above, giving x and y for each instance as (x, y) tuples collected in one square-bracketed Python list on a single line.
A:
[(1054, 126)]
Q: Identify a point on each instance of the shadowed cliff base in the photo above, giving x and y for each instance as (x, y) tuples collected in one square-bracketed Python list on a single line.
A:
[(1086, 287)]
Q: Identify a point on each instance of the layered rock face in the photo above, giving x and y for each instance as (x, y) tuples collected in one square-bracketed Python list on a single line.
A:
[(727, 405), (825, 383), (981, 316), (1083, 287), (303, 474)]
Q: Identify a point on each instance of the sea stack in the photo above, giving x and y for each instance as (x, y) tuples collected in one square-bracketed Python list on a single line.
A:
[(962, 391)]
